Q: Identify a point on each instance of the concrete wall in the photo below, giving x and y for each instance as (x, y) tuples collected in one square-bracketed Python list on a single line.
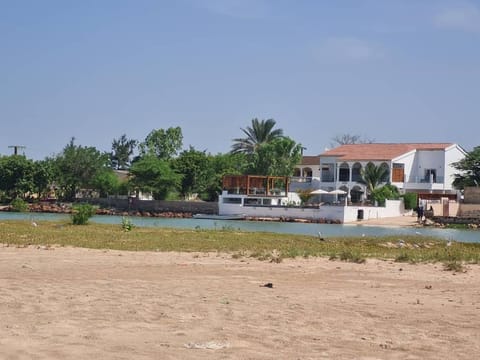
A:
[(472, 195), (452, 155), (342, 214), (193, 207)]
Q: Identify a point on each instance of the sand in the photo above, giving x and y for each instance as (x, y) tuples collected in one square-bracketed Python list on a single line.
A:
[(66, 303)]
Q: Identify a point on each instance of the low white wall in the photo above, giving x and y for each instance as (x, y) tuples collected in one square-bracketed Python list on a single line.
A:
[(392, 208), (323, 212)]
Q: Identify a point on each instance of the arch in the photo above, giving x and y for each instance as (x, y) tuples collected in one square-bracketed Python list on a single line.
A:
[(356, 194), (307, 172), (386, 177), (344, 172), (357, 172), (297, 172)]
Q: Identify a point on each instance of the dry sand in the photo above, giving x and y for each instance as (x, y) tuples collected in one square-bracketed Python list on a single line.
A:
[(88, 304)]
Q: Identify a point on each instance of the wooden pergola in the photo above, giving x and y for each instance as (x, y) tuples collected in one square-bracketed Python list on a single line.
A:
[(256, 185)]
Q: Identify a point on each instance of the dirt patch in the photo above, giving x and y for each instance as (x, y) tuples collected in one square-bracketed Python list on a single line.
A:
[(58, 303)]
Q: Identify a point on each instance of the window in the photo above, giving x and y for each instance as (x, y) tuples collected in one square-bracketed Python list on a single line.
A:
[(431, 175)]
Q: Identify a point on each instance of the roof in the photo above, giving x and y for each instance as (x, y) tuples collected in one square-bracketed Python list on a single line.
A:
[(310, 160), (380, 152)]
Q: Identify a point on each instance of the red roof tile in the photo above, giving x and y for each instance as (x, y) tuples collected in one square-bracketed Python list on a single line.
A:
[(380, 151), (310, 160)]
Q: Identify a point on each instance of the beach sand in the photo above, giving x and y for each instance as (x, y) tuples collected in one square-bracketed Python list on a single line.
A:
[(66, 303)]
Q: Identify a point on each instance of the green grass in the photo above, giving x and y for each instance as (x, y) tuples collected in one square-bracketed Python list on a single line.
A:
[(265, 246)]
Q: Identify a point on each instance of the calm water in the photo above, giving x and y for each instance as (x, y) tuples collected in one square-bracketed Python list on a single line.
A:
[(256, 226)]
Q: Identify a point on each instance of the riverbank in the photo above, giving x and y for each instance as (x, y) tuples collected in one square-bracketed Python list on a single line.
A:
[(61, 303)]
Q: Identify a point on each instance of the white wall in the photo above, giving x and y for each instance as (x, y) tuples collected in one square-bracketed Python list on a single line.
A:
[(452, 155), (343, 214), (409, 164)]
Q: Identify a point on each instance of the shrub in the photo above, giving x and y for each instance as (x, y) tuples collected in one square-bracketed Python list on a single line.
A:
[(19, 205), (127, 224), (410, 200), (82, 213)]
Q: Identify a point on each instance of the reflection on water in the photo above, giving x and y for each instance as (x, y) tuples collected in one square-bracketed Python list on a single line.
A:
[(277, 227)]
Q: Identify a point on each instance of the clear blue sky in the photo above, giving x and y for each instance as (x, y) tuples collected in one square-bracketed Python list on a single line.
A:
[(390, 70)]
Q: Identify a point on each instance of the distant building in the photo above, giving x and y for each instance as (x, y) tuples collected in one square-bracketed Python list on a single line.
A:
[(423, 168)]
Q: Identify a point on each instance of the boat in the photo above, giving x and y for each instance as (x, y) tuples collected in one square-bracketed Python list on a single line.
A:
[(219, 217)]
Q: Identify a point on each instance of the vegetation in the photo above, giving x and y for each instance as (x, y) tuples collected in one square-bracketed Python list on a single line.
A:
[(349, 139), (386, 192), (410, 200), (240, 244), (373, 176), (261, 132), (122, 150), (469, 168), (153, 175), (82, 213), (19, 205)]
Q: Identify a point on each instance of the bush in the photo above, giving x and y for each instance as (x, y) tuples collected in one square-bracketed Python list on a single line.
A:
[(19, 205), (82, 213), (410, 200), (127, 224)]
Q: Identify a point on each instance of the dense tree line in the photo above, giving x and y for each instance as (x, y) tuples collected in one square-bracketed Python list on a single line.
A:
[(157, 165)]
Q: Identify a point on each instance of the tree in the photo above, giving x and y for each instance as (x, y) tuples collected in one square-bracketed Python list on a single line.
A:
[(276, 158), (386, 192), (261, 132), (106, 182), (469, 168), (372, 176), (196, 169), (153, 175), (16, 176), (221, 165), (122, 150), (349, 139), (76, 167), (43, 177), (164, 144)]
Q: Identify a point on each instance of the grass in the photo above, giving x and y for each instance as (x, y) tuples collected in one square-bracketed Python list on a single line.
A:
[(265, 246)]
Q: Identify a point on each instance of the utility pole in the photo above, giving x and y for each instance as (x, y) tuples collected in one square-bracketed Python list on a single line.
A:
[(16, 148)]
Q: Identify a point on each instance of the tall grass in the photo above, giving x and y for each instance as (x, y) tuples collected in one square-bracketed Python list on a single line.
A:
[(268, 246)]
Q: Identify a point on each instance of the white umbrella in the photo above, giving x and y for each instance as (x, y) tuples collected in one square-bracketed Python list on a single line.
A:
[(319, 191), (338, 192)]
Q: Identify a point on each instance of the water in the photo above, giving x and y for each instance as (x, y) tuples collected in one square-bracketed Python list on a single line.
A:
[(326, 230)]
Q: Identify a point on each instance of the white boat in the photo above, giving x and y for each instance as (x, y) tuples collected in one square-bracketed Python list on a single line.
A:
[(219, 217)]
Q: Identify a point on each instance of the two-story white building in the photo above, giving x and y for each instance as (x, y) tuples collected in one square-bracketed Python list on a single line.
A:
[(424, 168)]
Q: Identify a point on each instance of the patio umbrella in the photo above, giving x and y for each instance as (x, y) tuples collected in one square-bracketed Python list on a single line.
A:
[(337, 192), (319, 191)]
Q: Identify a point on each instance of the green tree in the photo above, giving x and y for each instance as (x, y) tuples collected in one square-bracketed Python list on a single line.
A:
[(43, 172), (76, 167), (196, 169), (164, 144), (386, 192), (153, 175), (276, 158), (372, 176), (261, 132), (469, 168), (122, 150), (106, 182), (16, 176), (223, 164)]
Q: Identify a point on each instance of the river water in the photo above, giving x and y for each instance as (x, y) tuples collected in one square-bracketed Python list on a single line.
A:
[(326, 230)]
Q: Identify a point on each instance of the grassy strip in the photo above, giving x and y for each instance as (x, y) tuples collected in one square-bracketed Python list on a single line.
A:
[(265, 246)]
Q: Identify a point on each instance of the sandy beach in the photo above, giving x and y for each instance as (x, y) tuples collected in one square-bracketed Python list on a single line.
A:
[(66, 303)]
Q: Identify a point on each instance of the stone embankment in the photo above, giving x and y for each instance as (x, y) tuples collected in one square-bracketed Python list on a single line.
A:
[(61, 208)]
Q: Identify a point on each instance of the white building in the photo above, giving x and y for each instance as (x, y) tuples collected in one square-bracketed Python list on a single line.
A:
[(424, 168)]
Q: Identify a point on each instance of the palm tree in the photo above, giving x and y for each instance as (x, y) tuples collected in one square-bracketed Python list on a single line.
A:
[(259, 133), (372, 176)]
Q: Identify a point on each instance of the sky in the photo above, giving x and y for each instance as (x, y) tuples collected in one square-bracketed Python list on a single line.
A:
[(386, 70)]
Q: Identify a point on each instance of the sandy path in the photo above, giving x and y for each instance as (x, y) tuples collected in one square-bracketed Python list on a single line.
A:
[(86, 304)]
